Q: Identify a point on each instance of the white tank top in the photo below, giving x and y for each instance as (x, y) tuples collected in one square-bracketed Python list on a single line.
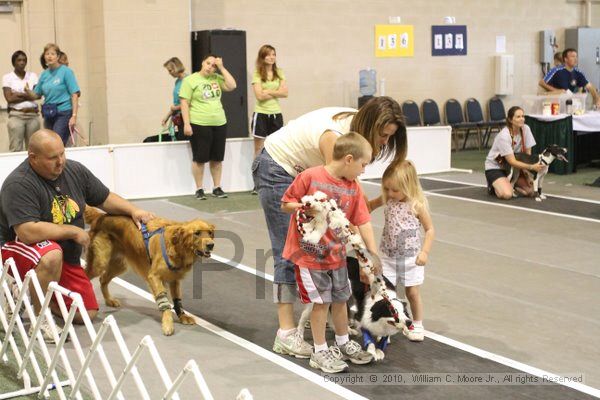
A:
[(296, 146)]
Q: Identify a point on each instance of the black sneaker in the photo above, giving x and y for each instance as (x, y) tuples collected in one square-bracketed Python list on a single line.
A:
[(218, 192), (254, 192), (200, 194)]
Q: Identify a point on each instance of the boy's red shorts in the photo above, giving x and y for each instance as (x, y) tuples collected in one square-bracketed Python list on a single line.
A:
[(73, 276)]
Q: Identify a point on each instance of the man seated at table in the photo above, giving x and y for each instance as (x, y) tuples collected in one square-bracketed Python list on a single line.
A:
[(568, 77)]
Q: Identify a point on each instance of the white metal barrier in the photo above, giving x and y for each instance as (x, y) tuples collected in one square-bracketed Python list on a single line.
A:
[(49, 379)]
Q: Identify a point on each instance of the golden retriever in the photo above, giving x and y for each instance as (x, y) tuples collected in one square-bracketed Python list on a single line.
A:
[(116, 243)]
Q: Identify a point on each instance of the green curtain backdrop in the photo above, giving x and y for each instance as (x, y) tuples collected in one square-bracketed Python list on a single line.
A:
[(558, 132)]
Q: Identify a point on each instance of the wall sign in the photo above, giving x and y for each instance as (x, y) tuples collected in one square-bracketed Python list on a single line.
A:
[(394, 41), (448, 40)]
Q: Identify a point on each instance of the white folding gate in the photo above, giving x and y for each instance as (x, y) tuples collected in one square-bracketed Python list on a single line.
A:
[(45, 376)]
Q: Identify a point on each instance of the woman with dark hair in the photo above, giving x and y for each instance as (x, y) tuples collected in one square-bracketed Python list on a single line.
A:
[(515, 137), (23, 118), (303, 143), (176, 69), (204, 120), (58, 86)]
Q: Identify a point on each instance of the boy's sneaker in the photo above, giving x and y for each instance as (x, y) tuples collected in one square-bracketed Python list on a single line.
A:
[(254, 192), (353, 352), (200, 194), (218, 192), (46, 331), (414, 333), (329, 361), (293, 345)]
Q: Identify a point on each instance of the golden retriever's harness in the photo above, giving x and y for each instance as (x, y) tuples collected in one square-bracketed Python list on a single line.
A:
[(162, 300), (147, 235)]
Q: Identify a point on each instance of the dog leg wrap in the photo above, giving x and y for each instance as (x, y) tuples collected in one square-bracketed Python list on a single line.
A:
[(382, 343), (178, 307), (162, 301), (367, 338)]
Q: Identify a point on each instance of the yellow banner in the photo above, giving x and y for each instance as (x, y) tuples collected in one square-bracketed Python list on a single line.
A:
[(394, 41)]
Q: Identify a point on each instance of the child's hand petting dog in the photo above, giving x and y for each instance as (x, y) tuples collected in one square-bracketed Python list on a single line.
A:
[(422, 258)]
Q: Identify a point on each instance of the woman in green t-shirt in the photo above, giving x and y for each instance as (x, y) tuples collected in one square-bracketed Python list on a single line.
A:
[(269, 85), (204, 120)]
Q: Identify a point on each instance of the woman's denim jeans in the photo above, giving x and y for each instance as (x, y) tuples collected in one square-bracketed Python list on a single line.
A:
[(271, 182), (60, 125)]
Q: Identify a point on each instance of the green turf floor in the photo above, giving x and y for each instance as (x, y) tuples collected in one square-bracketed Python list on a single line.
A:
[(242, 201)]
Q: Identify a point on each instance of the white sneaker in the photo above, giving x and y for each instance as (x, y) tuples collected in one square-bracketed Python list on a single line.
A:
[(293, 345), (353, 352), (415, 333), (329, 361), (46, 331)]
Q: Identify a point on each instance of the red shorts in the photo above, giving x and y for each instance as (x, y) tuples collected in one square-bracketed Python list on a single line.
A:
[(73, 276)]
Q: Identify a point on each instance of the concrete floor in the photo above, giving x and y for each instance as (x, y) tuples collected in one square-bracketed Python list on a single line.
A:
[(519, 284), (516, 283)]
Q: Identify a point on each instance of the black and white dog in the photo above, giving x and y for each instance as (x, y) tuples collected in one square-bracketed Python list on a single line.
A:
[(374, 318), (546, 158)]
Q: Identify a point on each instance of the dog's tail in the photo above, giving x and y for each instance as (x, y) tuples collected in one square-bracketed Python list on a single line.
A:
[(91, 215)]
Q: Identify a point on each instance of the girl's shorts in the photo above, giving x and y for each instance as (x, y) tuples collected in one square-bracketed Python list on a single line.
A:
[(402, 270)]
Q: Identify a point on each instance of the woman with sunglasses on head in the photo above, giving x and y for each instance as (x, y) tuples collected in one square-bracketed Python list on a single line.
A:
[(204, 120), (58, 86)]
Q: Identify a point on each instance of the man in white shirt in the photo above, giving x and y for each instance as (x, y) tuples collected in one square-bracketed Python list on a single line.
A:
[(23, 116)]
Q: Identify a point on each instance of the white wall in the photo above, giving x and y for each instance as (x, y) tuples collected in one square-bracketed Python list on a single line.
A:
[(164, 169), (117, 49)]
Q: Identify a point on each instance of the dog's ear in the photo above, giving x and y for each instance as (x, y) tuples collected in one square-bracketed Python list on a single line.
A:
[(177, 236)]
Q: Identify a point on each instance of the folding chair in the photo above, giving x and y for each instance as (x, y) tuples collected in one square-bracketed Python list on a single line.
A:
[(410, 109), (431, 113), (475, 114), (455, 118), (497, 117)]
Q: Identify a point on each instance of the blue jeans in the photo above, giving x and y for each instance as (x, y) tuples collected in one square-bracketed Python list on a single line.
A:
[(271, 182), (60, 124)]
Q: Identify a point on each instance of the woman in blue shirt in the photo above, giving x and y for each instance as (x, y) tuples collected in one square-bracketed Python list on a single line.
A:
[(58, 87), (176, 69)]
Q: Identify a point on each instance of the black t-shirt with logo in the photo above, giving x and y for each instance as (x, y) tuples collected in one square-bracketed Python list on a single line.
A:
[(27, 197)]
